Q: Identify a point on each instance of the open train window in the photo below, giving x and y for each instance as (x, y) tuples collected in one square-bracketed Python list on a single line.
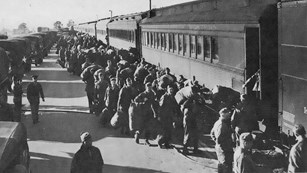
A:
[(171, 39), (148, 39), (207, 48), (214, 50), (155, 38), (175, 43), (200, 47), (158, 40), (162, 41), (186, 41), (193, 46), (180, 44), (151, 39)]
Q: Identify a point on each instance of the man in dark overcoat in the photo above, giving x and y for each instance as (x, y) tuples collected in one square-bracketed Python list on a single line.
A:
[(168, 111), (148, 99), (34, 91), (88, 158)]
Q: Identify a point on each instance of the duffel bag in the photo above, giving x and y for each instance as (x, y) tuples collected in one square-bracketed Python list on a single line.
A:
[(135, 117), (117, 119), (105, 116)]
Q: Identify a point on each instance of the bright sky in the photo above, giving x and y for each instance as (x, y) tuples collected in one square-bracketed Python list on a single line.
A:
[(45, 12)]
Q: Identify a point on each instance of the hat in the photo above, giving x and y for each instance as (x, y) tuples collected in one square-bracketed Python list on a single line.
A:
[(34, 76), (246, 137), (84, 136), (224, 113)]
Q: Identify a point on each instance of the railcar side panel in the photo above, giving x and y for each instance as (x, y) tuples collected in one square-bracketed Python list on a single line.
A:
[(292, 64)]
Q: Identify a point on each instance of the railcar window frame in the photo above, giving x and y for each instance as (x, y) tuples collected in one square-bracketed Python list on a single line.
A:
[(152, 39), (214, 49), (180, 44), (200, 47), (175, 43), (193, 46), (207, 48), (186, 45), (171, 42)]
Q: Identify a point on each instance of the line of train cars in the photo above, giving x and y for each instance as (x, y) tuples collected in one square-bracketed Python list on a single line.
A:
[(226, 42), (17, 53)]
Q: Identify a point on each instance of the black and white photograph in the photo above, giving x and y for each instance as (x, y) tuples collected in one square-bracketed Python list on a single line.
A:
[(153, 86)]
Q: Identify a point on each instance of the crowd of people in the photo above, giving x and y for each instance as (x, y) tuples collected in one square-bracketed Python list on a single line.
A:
[(129, 93)]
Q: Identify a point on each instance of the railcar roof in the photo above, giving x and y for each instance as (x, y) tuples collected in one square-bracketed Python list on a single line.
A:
[(211, 11)]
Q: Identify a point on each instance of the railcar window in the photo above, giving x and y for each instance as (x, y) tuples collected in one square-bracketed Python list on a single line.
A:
[(200, 47), (151, 39), (186, 41), (193, 46), (147, 37), (133, 38), (171, 39), (165, 41), (180, 44), (214, 49), (175, 43), (162, 41), (159, 40), (155, 43), (207, 48)]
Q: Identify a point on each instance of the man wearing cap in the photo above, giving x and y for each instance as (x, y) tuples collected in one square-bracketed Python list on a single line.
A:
[(126, 96), (243, 162), (17, 91), (148, 99), (298, 153), (88, 158), (168, 111), (111, 96), (221, 134), (34, 91)]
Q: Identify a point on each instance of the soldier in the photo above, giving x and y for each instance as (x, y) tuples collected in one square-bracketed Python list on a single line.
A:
[(100, 89), (243, 162), (148, 99), (190, 111), (169, 109), (17, 91), (126, 96), (221, 134), (298, 153), (111, 96), (34, 91), (88, 158)]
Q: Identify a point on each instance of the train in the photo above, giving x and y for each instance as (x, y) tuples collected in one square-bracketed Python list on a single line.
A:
[(260, 45)]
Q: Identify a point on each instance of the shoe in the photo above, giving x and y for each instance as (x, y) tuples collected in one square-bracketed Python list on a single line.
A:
[(136, 138)]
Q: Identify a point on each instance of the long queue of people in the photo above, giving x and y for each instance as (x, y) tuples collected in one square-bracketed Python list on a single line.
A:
[(131, 94)]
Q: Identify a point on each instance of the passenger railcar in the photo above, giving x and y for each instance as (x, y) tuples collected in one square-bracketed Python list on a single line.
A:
[(292, 64), (124, 31), (101, 29), (222, 42)]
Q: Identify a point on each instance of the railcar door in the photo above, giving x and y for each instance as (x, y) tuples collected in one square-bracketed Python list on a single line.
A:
[(252, 59), (292, 64)]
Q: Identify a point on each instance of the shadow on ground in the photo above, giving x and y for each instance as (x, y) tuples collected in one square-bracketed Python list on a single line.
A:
[(68, 127), (55, 164)]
